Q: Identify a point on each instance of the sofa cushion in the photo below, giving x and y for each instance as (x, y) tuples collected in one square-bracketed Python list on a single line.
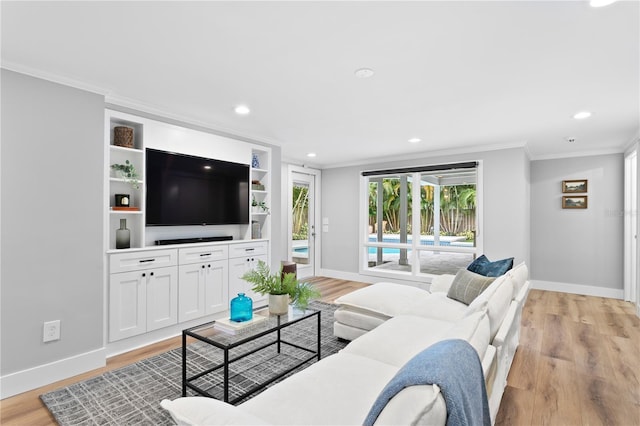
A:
[(484, 266), (384, 298), (346, 383), (441, 283), (496, 299), (467, 285), (396, 341), (519, 275), (359, 318), (198, 410)]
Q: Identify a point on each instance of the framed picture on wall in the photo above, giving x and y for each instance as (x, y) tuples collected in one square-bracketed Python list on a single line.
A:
[(574, 185), (574, 202)]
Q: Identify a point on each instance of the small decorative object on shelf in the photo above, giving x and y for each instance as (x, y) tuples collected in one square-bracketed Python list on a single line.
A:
[(122, 200), (127, 171), (123, 236), (255, 230), (241, 308), (256, 185), (259, 206), (123, 136), (255, 161)]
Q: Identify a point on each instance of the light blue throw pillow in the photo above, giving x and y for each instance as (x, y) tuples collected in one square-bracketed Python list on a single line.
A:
[(484, 266)]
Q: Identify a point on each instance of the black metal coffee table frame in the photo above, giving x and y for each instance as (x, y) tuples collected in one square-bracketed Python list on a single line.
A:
[(248, 336)]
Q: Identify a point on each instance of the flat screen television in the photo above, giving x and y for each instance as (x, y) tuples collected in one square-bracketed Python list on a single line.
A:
[(187, 190)]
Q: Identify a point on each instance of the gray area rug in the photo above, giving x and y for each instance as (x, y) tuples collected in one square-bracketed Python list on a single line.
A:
[(131, 395)]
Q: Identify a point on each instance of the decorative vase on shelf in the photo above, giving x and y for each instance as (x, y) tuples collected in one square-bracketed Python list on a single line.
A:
[(123, 236), (255, 162), (241, 308)]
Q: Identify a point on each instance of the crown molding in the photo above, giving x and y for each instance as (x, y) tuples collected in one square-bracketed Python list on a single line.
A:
[(442, 152), (575, 154), (54, 78)]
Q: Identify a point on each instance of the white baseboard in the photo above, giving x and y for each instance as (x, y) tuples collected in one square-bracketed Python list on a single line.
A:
[(587, 290), (33, 378)]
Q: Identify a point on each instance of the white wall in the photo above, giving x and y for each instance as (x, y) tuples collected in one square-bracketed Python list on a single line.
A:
[(582, 248), (52, 196), (506, 207)]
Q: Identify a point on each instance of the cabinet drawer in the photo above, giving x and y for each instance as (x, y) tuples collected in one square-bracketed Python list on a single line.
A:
[(203, 254), (247, 249), (125, 262)]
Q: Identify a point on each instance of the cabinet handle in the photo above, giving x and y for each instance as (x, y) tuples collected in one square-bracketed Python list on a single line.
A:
[(205, 254), (147, 260), (202, 266), (209, 266), (144, 275), (249, 249), (252, 259), (151, 274)]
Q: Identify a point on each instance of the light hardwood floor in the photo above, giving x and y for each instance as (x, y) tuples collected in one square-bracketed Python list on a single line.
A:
[(578, 364)]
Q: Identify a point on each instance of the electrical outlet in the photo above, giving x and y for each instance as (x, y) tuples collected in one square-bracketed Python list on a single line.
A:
[(51, 331)]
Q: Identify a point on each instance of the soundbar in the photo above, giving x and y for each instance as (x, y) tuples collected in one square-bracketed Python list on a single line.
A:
[(193, 240)]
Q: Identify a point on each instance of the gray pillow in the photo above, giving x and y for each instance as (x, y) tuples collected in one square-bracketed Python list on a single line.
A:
[(467, 285)]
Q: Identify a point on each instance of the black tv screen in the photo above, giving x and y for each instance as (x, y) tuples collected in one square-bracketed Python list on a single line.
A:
[(187, 190)]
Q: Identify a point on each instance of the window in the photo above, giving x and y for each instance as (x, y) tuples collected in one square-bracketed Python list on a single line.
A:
[(439, 238)]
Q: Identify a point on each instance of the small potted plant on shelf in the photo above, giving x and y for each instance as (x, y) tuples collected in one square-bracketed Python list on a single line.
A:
[(283, 289), (127, 171), (259, 206)]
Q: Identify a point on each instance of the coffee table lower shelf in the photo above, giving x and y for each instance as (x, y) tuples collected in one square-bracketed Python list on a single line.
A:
[(238, 375)]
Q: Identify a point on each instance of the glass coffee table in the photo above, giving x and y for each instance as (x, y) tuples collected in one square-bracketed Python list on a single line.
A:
[(230, 367)]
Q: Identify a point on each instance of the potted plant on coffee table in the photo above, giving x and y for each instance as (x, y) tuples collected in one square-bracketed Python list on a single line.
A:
[(282, 289)]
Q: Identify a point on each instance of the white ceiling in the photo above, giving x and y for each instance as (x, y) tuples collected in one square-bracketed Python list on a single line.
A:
[(458, 75)]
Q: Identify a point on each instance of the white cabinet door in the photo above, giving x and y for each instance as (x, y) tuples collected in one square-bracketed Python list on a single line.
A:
[(162, 297), (191, 291), (127, 305), (203, 289), (237, 268), (216, 287)]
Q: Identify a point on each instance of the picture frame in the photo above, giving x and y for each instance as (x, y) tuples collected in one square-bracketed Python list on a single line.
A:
[(575, 202), (574, 186)]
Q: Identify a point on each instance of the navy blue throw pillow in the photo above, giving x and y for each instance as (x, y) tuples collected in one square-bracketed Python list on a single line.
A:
[(484, 266)]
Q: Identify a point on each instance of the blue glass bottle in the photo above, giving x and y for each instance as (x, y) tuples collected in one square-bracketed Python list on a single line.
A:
[(241, 308)]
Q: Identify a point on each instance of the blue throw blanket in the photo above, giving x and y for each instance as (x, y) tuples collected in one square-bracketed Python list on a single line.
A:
[(454, 366)]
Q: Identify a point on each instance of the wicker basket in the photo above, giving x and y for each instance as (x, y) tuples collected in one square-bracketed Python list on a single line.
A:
[(123, 136)]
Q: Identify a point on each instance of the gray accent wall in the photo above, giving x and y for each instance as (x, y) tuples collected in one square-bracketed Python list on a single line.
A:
[(52, 167), (578, 246), (506, 206)]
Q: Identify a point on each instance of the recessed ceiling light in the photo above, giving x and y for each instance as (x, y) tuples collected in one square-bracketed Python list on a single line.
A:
[(415, 140), (311, 154), (364, 72), (242, 110), (582, 115), (601, 3)]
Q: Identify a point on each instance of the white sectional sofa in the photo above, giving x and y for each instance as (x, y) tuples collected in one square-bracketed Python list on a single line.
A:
[(341, 388), (366, 309)]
